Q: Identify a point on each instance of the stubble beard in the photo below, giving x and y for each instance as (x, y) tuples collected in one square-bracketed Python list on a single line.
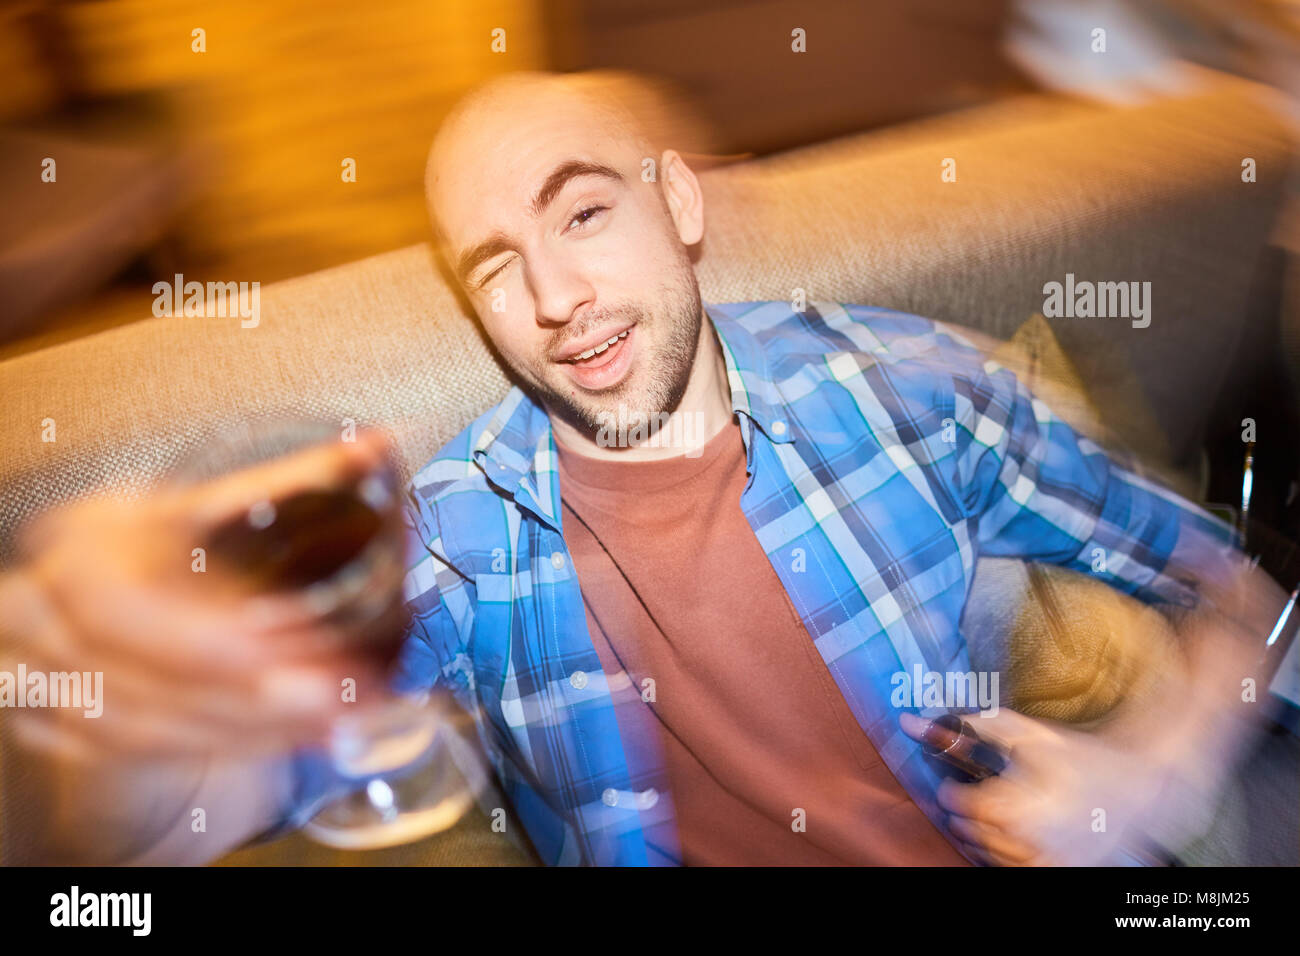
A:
[(655, 386)]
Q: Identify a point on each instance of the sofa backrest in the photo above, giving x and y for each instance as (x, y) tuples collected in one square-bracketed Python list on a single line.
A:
[(1044, 187)]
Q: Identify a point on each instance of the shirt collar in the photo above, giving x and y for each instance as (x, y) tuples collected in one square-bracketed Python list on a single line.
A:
[(754, 393), (516, 449)]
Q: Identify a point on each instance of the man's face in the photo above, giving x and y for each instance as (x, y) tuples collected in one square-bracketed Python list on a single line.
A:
[(563, 250)]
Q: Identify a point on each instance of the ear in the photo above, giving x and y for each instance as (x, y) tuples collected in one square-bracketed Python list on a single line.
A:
[(684, 197)]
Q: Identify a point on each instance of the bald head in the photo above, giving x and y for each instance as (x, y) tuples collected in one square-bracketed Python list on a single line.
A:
[(614, 102), (610, 110)]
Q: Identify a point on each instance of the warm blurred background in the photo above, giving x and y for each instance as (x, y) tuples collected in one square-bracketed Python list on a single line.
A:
[(228, 161), (222, 152)]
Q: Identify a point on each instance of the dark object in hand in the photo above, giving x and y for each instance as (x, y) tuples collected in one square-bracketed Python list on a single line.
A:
[(342, 548), (297, 541), (965, 755)]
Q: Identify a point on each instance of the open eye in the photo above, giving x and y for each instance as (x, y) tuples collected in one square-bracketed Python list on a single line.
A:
[(585, 216)]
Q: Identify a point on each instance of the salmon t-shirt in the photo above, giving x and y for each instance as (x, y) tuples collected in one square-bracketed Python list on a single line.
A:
[(765, 762)]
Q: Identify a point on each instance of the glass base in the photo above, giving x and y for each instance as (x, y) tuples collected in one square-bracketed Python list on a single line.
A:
[(353, 823), (393, 805)]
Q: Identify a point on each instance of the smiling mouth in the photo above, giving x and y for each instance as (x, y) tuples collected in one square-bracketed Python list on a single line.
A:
[(605, 365), (585, 357)]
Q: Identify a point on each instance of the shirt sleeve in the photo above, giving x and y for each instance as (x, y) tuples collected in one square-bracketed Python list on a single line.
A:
[(1038, 490)]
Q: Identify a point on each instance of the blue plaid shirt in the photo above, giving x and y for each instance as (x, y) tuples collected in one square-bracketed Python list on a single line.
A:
[(884, 456)]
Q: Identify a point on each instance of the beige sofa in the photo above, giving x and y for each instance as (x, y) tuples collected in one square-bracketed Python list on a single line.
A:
[(1045, 186)]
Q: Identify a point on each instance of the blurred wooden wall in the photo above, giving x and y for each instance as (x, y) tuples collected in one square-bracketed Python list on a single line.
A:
[(284, 92)]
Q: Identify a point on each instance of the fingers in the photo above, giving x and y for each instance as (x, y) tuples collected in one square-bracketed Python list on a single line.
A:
[(989, 818), (91, 603), (131, 712), (317, 466), (996, 801), (913, 726), (52, 738), (996, 845), (151, 735), (1007, 727), (175, 676), (126, 706), (109, 616)]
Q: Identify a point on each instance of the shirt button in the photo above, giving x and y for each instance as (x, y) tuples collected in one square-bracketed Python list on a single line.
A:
[(778, 427), (557, 560), (578, 679), (648, 798), (610, 797)]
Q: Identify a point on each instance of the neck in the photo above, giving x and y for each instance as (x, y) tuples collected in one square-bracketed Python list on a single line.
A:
[(705, 409)]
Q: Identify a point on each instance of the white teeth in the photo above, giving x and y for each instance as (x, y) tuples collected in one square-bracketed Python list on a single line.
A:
[(583, 356)]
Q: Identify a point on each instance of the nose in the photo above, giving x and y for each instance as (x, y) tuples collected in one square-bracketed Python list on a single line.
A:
[(559, 288)]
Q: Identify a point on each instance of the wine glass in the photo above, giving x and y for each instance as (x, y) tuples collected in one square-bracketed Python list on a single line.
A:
[(408, 766)]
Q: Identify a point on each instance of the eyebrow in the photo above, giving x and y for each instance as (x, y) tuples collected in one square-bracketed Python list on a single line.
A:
[(498, 242)]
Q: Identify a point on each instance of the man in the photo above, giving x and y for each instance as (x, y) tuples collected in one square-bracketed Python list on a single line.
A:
[(824, 504), (680, 639)]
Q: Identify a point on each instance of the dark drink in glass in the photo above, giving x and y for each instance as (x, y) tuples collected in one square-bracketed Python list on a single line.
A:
[(341, 547)]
